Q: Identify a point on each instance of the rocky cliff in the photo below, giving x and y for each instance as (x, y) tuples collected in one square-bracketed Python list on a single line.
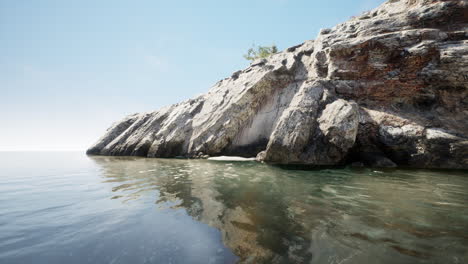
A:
[(387, 88)]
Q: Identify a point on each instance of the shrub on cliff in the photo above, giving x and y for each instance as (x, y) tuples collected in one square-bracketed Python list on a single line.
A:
[(260, 52)]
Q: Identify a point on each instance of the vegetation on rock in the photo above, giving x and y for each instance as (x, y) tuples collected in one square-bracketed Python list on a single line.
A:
[(260, 52)]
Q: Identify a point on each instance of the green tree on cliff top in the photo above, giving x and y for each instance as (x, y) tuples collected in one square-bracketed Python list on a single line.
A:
[(260, 52)]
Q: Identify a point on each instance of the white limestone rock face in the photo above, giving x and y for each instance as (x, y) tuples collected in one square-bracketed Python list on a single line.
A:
[(389, 87), (294, 129), (339, 126)]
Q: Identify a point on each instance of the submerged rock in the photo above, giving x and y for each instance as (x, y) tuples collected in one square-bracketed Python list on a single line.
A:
[(387, 88)]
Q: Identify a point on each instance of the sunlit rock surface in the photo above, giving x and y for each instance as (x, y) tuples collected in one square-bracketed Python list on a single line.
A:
[(385, 88)]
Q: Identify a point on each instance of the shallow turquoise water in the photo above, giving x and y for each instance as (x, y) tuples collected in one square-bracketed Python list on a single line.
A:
[(69, 208)]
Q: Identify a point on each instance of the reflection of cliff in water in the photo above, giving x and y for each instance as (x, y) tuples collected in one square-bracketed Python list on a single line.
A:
[(272, 215), (249, 209)]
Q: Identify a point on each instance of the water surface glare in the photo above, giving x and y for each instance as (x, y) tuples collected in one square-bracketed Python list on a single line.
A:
[(65, 207)]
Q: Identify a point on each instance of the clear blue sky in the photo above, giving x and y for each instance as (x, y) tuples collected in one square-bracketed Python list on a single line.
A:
[(71, 68)]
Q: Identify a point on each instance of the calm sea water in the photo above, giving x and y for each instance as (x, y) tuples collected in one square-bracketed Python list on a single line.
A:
[(69, 208)]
